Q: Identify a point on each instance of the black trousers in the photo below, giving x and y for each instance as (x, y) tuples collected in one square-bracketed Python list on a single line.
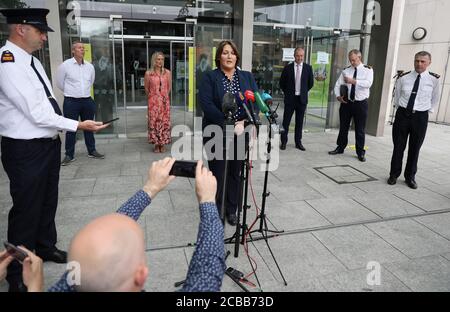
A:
[(358, 111), (32, 167), (414, 126), (234, 183), (299, 108)]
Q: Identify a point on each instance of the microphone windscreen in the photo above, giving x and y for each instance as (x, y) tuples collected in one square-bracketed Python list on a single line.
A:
[(229, 103)]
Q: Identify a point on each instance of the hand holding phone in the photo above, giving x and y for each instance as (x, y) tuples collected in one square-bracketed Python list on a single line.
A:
[(182, 168), (110, 121), (15, 252)]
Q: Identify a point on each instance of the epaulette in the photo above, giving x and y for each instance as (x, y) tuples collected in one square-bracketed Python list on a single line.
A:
[(348, 67), (435, 75), (403, 74), (7, 57), (368, 66)]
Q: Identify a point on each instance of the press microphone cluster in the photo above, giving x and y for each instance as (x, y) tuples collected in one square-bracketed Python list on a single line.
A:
[(261, 100)]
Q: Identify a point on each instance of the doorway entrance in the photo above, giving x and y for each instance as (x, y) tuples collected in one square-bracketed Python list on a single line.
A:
[(132, 58)]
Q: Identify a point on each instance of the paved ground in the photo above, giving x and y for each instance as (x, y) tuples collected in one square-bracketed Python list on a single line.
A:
[(332, 230)]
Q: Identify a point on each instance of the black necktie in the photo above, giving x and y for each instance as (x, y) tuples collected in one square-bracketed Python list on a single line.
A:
[(47, 91), (353, 91), (412, 98)]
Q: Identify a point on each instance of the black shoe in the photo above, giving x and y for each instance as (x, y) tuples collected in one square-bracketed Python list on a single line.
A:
[(232, 219), (338, 150), (392, 180), (283, 146), (96, 155), (18, 286), (411, 183), (362, 158), (57, 256), (300, 147)]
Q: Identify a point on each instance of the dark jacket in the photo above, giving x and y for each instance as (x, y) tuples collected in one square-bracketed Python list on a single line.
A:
[(287, 83), (211, 92)]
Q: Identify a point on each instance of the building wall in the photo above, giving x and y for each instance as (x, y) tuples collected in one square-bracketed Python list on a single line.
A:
[(433, 16)]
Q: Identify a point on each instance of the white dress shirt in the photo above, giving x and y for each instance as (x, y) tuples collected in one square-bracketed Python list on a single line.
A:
[(74, 79), (295, 76), (25, 111), (427, 96), (364, 80)]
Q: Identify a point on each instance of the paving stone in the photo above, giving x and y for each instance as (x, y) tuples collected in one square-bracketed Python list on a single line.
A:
[(356, 246), (118, 185), (428, 274), (438, 223), (342, 210), (387, 206), (411, 238)]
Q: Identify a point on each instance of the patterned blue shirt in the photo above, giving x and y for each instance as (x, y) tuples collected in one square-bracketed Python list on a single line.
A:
[(233, 86), (207, 265)]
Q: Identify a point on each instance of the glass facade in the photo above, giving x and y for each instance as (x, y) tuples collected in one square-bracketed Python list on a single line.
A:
[(326, 29), (121, 36)]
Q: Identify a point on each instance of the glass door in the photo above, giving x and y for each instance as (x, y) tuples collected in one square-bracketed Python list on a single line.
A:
[(318, 50), (273, 48), (181, 66), (133, 54)]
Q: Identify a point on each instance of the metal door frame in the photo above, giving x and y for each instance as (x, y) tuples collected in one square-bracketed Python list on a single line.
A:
[(169, 39)]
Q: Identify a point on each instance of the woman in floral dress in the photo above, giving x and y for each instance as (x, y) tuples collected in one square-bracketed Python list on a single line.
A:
[(158, 83)]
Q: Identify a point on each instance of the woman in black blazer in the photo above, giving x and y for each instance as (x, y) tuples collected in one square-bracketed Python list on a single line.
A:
[(226, 78)]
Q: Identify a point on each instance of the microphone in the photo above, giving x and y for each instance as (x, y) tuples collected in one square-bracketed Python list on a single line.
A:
[(270, 115), (247, 111), (229, 106), (267, 98), (263, 108)]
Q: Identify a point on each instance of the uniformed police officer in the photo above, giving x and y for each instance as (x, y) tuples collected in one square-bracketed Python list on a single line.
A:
[(30, 120), (416, 95), (357, 80)]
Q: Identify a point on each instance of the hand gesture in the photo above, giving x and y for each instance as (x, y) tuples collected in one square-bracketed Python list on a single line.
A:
[(205, 184), (158, 176)]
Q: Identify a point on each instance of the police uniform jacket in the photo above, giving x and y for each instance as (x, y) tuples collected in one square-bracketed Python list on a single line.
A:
[(25, 110)]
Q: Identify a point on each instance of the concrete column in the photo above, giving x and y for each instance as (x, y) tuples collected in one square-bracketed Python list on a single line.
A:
[(243, 31), (55, 45), (384, 45)]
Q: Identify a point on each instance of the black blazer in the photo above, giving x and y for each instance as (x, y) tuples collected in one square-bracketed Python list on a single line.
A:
[(211, 92), (287, 83)]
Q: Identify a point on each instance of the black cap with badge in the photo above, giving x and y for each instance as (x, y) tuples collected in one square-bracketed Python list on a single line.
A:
[(33, 17)]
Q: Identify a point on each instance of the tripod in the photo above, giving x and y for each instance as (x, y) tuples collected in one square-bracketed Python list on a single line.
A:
[(263, 228), (242, 207)]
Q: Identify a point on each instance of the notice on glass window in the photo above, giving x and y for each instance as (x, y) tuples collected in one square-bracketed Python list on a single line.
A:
[(288, 55), (322, 58)]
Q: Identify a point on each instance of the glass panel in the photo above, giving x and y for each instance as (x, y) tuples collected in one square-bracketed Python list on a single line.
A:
[(180, 84), (207, 37), (118, 76), (319, 57), (343, 14)]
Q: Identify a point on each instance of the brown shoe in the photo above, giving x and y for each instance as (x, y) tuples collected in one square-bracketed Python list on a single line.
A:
[(156, 149), (162, 149)]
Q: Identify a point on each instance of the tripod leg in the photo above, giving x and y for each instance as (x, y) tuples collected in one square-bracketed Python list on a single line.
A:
[(271, 252)]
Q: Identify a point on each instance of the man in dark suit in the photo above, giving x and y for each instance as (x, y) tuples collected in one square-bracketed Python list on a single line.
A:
[(296, 81)]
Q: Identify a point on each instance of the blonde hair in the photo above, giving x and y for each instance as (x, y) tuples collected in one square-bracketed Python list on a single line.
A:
[(153, 61)]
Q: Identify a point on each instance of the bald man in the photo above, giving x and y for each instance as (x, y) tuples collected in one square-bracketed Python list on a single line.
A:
[(115, 242)]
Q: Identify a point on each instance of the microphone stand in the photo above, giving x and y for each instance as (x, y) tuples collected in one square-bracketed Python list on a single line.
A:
[(263, 228)]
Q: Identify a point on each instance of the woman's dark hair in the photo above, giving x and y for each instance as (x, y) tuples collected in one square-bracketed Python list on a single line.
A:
[(220, 50)]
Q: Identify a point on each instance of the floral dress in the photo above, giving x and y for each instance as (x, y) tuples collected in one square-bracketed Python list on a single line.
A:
[(158, 107)]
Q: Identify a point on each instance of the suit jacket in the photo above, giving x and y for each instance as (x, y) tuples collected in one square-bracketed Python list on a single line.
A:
[(287, 83), (211, 92)]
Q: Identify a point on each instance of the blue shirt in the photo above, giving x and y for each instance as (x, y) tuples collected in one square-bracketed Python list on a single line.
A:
[(207, 265)]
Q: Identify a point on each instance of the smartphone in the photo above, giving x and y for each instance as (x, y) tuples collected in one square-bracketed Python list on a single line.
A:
[(15, 252), (110, 121), (182, 168)]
